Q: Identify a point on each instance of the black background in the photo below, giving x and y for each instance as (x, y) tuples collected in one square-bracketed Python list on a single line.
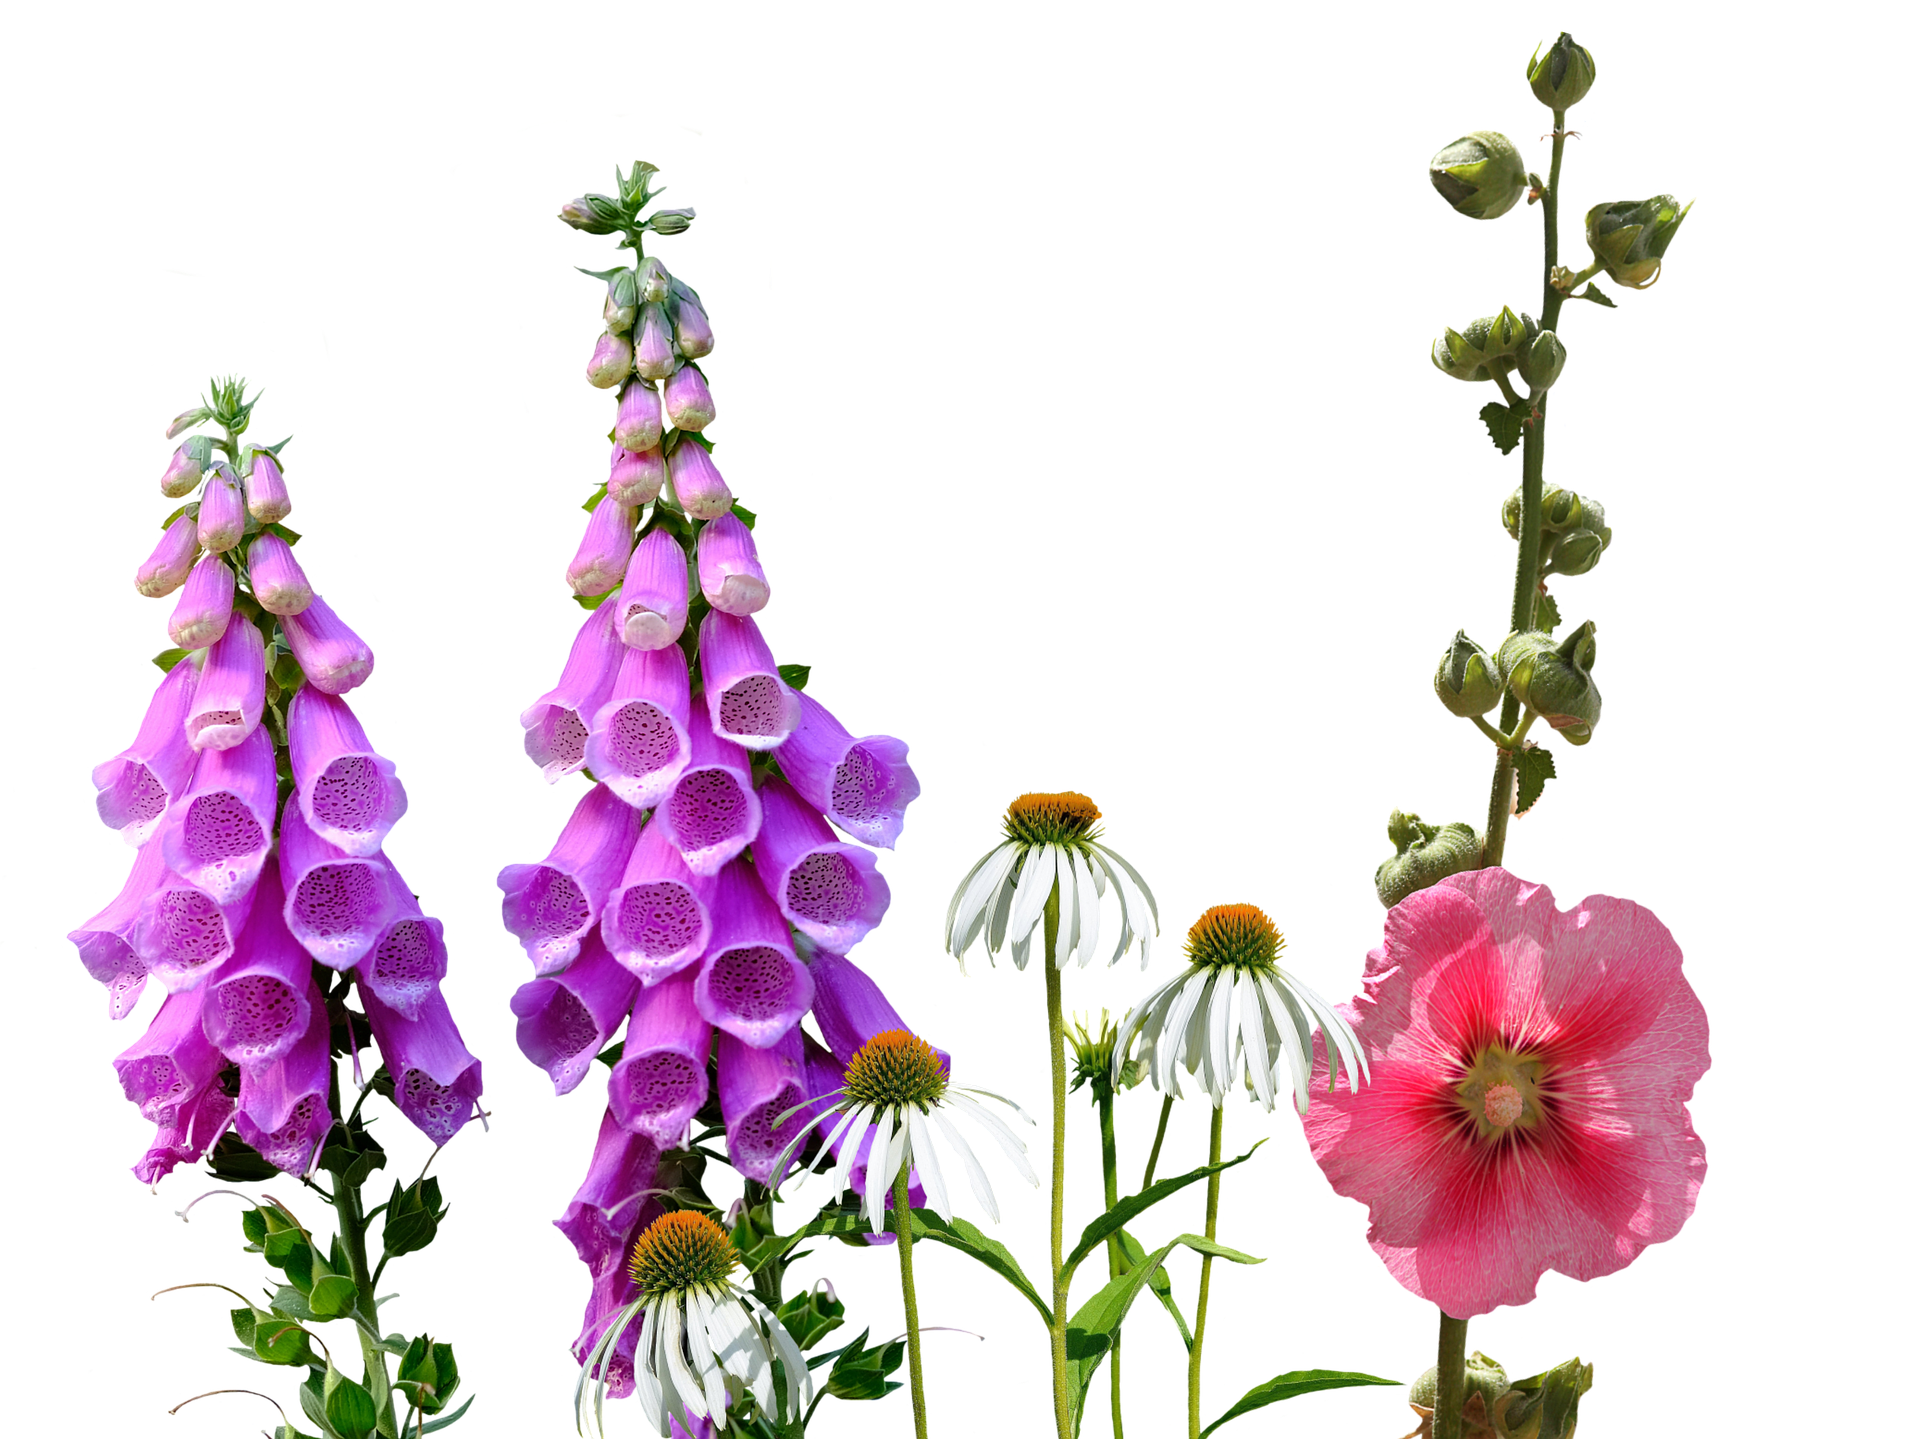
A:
[(1095, 450)]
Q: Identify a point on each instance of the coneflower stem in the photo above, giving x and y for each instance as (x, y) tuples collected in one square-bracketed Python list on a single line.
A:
[(903, 1223), (1452, 1386), (1206, 1277), (1057, 1047), (1116, 1257), (1159, 1136)]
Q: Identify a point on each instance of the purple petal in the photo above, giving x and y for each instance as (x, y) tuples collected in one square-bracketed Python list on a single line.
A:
[(337, 904), (697, 482), (863, 786), (748, 701), (168, 1066), (232, 692), (651, 609), (750, 983), (283, 1105), (637, 425), (601, 560), (205, 605), (613, 1199), (638, 745), (167, 568), (689, 402), (656, 920), (730, 573), (332, 657), (436, 1081), (712, 813), (184, 934), (197, 1122), (136, 786), (409, 959), (850, 1009), (557, 724), (567, 1020), (267, 499), (549, 907), (105, 942), (256, 1005), (661, 1079), (278, 581), (831, 892), (216, 836), (634, 477), (757, 1086), (653, 349), (223, 512), (349, 795)]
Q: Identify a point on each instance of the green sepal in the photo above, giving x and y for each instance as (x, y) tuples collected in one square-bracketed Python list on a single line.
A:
[(1599, 296), (604, 276), (810, 1316), (428, 1375), (740, 511), (290, 1303), (349, 1407), (1504, 425), (433, 1425), (1544, 1406), (1532, 768), (233, 1159), (275, 1340), (610, 1056), (593, 602), (352, 1154), (861, 1373), (192, 506), (332, 1296), (593, 500), (1291, 1385), (795, 676), (167, 659), (253, 1224), (413, 1218)]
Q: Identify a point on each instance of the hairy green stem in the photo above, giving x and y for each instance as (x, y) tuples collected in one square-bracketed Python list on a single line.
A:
[(1206, 1278), (1453, 1377), (1159, 1136), (903, 1222), (1116, 1257), (1057, 1058), (353, 1241)]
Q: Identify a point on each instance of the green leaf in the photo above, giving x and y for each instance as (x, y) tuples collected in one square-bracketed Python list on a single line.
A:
[(1599, 297), (610, 1056), (1503, 426), (1291, 1385), (593, 500), (444, 1420), (796, 676), (290, 1303), (593, 602), (603, 276), (167, 659), (279, 1341), (810, 1316), (1159, 1283), (1095, 1234), (289, 1251), (253, 1224), (971, 1242), (232, 1158), (861, 1373), (332, 1296), (1546, 613), (291, 536), (741, 512), (1535, 768), (353, 1154), (349, 1406)]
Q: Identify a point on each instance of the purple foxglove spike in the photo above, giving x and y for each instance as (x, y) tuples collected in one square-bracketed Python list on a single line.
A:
[(278, 581), (332, 657), (409, 959), (653, 352), (689, 401), (661, 1079), (136, 786), (748, 701), (283, 1105), (217, 835), (256, 1007), (612, 361), (205, 605), (436, 1080), (197, 1122), (601, 561), (757, 1086), (549, 907), (267, 499), (637, 425), (170, 1064), (712, 813), (831, 892), (223, 511), (825, 1077), (862, 785), (749, 983), (171, 562), (656, 921), (639, 742), (697, 483), (614, 1198), (349, 795), (690, 326), (567, 1020), (651, 609), (634, 478), (184, 468), (232, 691), (183, 934), (557, 723), (730, 573), (106, 944), (850, 1009), (337, 904)]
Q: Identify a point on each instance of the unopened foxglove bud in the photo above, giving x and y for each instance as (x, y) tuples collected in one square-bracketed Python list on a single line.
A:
[(205, 606), (223, 512), (689, 402), (332, 657), (669, 222), (635, 478), (697, 482), (595, 214), (1467, 680), (186, 420), (651, 609), (1540, 361), (267, 499), (186, 466), (1487, 346), (612, 361), (623, 303), (278, 581), (171, 562), (1481, 175), (601, 560), (653, 348), (652, 283), (638, 425), (1562, 75), (1555, 680), (1424, 854), (730, 573), (690, 325), (1629, 238)]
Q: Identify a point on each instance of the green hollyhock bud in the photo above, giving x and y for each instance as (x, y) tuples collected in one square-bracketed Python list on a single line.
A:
[(1555, 680), (1486, 347), (1563, 75), (1485, 1378), (1480, 175), (1424, 854), (1578, 547), (1467, 680), (1541, 359), (1630, 237), (1543, 1406)]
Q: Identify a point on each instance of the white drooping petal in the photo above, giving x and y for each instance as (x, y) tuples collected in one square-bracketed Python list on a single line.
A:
[(991, 1122), (645, 1383), (862, 1117), (960, 891), (1253, 1034), (878, 1180), (1089, 901), (1112, 874), (685, 1383), (799, 1378), (1069, 933), (1220, 1036), (974, 902), (1170, 1042), (928, 1165), (999, 911), (1342, 1042), (1296, 1037), (1030, 895), (976, 1176), (704, 1350)]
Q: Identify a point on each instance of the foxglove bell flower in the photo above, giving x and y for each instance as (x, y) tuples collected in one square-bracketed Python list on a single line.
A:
[(259, 1003), (635, 477), (750, 982), (612, 361), (730, 573), (557, 724), (1528, 1107), (660, 1081), (760, 1091), (651, 609), (223, 512), (409, 959), (653, 351), (550, 907), (337, 904), (171, 562), (332, 657), (169, 1065), (184, 934), (863, 785), (831, 892), (747, 700), (267, 499), (197, 1122), (136, 786), (278, 581), (436, 1081), (712, 813), (656, 920), (607, 1209), (217, 834), (349, 795), (638, 745), (637, 426), (1050, 850), (601, 561), (697, 482), (566, 1020), (1235, 1019), (106, 942), (689, 403), (205, 605), (232, 692), (283, 1109)]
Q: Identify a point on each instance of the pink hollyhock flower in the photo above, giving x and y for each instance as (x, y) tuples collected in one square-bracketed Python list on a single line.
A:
[(1527, 1112)]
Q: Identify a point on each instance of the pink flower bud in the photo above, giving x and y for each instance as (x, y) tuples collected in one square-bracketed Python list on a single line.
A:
[(332, 657), (635, 479), (690, 326), (612, 361), (697, 483), (653, 283), (653, 356), (601, 560), (185, 467), (637, 426), (206, 604), (167, 567), (651, 609), (689, 402), (186, 420), (730, 573), (278, 581), (223, 512), (267, 498)]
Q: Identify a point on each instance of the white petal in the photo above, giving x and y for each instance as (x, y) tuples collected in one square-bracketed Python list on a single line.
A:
[(1296, 1038), (999, 911), (879, 1181), (991, 1122), (733, 1341), (1021, 949), (701, 1345), (976, 1176), (1170, 1043), (778, 1177), (1341, 1039), (1220, 1037), (1069, 936), (799, 1380), (1030, 895), (645, 1383), (842, 1174), (679, 1373), (970, 913), (1253, 1033), (1089, 905), (1134, 875), (1119, 894), (960, 890), (928, 1165)]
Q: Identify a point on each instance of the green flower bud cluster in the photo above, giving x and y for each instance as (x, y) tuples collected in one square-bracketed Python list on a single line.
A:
[(1629, 238), (1468, 679), (1573, 530), (1541, 1406), (1502, 344), (1485, 1378), (1481, 175), (1555, 680), (1424, 854), (608, 214), (1561, 77)]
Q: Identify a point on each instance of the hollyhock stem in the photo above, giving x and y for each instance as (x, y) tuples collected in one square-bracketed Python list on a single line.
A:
[(1206, 1278), (1159, 1138), (1110, 1184), (1452, 1391), (903, 1218), (1057, 1048)]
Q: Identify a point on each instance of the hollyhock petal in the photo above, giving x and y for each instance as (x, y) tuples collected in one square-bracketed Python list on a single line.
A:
[(267, 499), (747, 700), (223, 512), (750, 983), (337, 904), (565, 1021), (283, 1109), (656, 920), (1481, 975), (614, 1199), (436, 1080), (552, 905), (169, 1065), (349, 795), (688, 400), (332, 657), (651, 609), (850, 1009), (256, 1004), (637, 426), (638, 745), (409, 959), (184, 934), (660, 1081), (697, 482), (601, 561), (757, 1086), (106, 942), (713, 812), (831, 892), (136, 786), (730, 573), (232, 692), (167, 568), (278, 581), (205, 605), (216, 836), (197, 1123), (635, 477), (558, 723), (863, 785)]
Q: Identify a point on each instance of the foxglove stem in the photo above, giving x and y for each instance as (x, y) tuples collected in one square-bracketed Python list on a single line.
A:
[(1206, 1277), (1110, 1188), (1057, 1047), (353, 1239), (903, 1220)]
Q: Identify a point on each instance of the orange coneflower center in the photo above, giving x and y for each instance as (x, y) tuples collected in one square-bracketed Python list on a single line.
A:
[(1051, 818), (1234, 936), (896, 1068), (681, 1250)]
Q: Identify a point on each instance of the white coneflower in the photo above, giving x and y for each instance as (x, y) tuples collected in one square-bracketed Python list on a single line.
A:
[(1235, 1018), (705, 1342), (897, 1089), (1050, 847)]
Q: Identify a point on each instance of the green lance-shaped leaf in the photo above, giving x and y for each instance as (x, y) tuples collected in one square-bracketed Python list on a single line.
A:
[(1095, 1234), (1291, 1385), (971, 1242), (1159, 1283), (432, 1425)]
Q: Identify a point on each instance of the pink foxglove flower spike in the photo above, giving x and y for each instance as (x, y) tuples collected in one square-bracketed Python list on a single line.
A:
[(337, 904), (267, 499), (750, 983), (232, 692), (650, 611), (223, 512), (205, 605), (830, 891), (863, 785), (349, 795), (332, 657), (278, 581), (635, 477), (759, 1091), (730, 573), (601, 561)]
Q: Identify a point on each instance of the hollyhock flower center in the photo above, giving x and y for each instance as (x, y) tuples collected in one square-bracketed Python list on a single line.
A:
[(1051, 818), (1502, 1091), (681, 1251), (1234, 936), (894, 1069)]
